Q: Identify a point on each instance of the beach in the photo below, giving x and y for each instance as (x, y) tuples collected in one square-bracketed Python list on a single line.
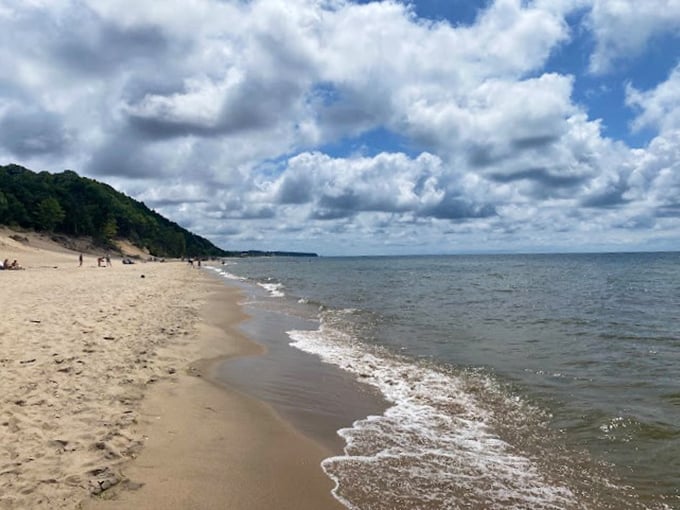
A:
[(407, 382), (107, 398)]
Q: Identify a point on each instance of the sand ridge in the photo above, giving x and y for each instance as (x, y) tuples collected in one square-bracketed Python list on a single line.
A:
[(79, 346)]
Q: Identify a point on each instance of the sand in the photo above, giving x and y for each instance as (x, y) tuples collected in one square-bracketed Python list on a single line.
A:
[(107, 400)]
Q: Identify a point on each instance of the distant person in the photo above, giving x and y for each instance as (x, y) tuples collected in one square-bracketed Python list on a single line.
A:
[(199, 262), (5, 264), (108, 260), (15, 265), (80, 260)]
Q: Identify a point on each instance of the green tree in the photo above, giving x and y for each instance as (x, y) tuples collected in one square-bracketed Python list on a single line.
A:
[(50, 214), (4, 208), (110, 229), (69, 204)]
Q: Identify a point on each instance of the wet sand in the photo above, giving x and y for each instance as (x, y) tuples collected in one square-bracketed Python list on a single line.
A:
[(106, 398), (211, 447), (317, 398)]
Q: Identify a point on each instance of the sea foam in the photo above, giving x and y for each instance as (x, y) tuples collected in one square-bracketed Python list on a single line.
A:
[(227, 274), (274, 289), (434, 446)]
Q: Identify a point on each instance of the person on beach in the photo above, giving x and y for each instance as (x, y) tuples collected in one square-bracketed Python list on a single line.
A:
[(14, 265), (108, 260), (80, 260)]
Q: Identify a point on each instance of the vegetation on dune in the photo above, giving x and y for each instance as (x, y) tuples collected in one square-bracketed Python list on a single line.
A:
[(68, 204)]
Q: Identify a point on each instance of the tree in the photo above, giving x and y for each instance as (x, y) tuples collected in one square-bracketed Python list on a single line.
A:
[(110, 229), (50, 214), (4, 208), (68, 204)]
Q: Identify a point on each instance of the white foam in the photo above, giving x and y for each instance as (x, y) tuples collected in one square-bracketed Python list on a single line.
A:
[(434, 444), (274, 289), (225, 274)]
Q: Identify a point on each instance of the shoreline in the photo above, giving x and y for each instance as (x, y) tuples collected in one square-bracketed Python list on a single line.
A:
[(107, 398), (235, 451), (318, 399)]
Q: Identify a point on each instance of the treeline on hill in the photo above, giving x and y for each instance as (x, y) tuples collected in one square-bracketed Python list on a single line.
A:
[(66, 203)]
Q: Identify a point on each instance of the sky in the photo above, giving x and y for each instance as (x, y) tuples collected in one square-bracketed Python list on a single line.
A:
[(360, 127)]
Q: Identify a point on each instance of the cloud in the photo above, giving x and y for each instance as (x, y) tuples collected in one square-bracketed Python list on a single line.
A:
[(611, 196), (655, 180), (386, 183), (29, 131), (658, 108), (88, 44), (623, 28), (495, 120), (233, 69), (249, 121), (205, 108)]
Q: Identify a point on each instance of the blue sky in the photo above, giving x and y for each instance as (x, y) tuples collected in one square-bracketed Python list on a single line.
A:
[(433, 126)]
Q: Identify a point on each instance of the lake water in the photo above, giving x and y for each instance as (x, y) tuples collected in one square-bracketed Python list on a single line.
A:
[(518, 381)]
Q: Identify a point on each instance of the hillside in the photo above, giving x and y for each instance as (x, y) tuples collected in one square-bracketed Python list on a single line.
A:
[(68, 204)]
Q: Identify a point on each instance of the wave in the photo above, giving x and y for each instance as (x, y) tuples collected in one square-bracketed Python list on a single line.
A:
[(226, 274), (274, 289), (627, 429), (434, 447)]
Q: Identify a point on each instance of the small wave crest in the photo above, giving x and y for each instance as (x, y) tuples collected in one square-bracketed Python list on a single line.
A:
[(274, 289), (434, 448), (226, 274), (626, 429)]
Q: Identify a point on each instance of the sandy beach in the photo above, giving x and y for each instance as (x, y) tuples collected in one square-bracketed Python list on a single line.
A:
[(107, 400)]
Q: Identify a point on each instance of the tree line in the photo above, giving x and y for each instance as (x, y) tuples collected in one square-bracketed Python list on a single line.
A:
[(65, 203)]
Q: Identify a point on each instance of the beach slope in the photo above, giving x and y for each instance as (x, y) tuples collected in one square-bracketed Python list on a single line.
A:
[(106, 399)]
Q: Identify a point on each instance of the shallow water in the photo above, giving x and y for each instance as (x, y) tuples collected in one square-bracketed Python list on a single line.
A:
[(544, 381), (317, 398)]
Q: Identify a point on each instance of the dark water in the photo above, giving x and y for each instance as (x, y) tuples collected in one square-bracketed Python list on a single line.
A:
[(541, 381)]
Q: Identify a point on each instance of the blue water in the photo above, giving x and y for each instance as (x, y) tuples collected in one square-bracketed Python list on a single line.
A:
[(520, 381)]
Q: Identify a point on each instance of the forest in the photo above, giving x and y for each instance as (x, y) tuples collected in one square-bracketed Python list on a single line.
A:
[(65, 203)]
